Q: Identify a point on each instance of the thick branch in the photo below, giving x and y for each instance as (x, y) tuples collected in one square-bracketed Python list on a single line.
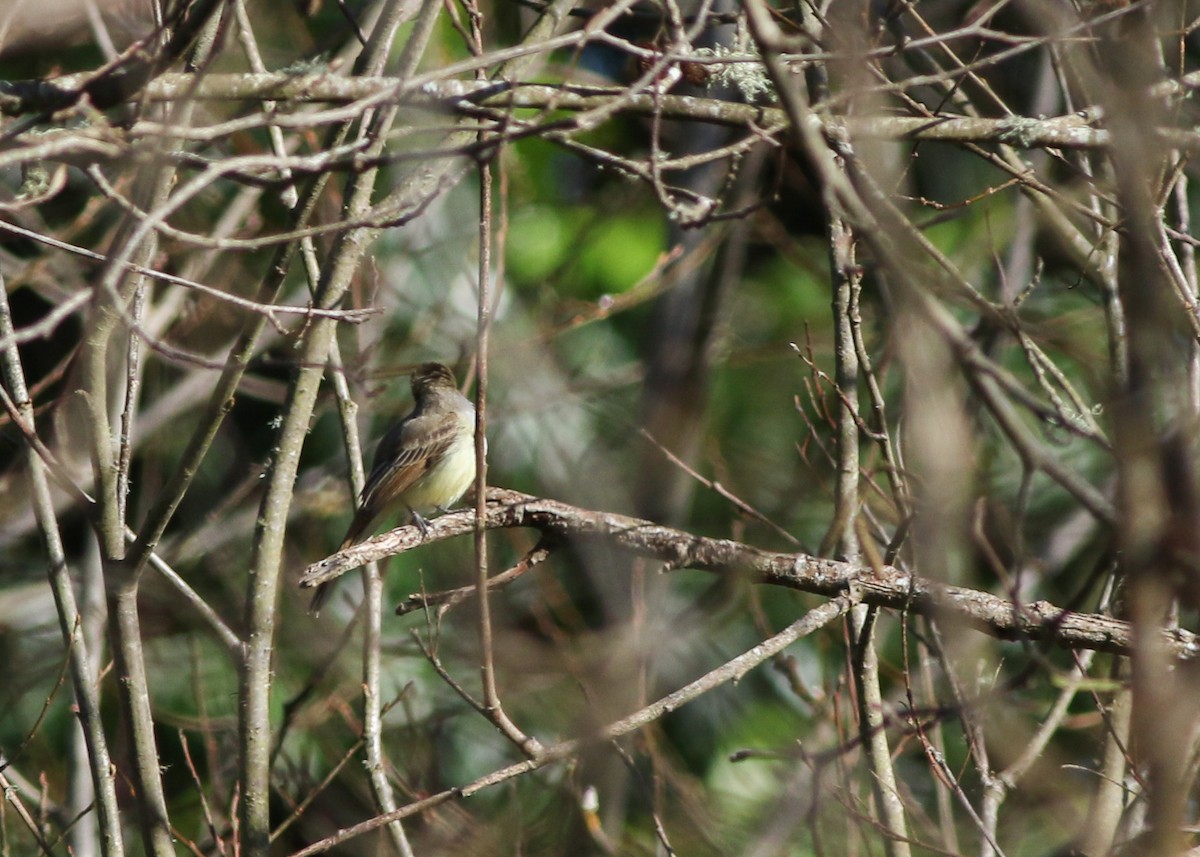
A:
[(116, 82), (1073, 131), (1038, 621)]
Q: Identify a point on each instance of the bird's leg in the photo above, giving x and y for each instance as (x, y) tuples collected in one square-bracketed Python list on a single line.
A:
[(420, 523)]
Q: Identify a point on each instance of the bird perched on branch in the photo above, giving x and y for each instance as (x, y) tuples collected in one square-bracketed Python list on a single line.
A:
[(423, 464)]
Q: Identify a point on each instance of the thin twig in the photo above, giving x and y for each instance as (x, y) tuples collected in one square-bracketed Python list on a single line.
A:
[(84, 678), (731, 671)]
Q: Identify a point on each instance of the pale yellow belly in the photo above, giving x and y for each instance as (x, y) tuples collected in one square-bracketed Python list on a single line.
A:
[(446, 481)]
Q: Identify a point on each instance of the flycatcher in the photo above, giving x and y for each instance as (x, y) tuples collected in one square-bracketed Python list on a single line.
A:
[(424, 463)]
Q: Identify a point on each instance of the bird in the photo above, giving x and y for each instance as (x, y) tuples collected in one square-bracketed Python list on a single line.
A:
[(424, 463)]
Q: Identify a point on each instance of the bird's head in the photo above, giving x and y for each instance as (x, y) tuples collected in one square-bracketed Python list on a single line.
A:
[(432, 376)]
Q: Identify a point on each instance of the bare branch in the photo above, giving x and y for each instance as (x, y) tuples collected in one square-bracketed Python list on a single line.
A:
[(1038, 621)]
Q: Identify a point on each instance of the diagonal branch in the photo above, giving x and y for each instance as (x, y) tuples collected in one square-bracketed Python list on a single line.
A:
[(1037, 621)]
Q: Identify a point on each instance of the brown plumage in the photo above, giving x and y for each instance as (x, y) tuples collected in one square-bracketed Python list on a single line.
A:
[(424, 463)]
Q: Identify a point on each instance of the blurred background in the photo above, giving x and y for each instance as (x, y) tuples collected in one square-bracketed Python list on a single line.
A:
[(670, 329)]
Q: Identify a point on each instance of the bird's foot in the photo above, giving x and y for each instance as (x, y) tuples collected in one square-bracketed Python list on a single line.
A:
[(420, 523)]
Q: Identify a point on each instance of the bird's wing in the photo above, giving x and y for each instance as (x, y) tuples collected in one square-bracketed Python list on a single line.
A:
[(405, 455)]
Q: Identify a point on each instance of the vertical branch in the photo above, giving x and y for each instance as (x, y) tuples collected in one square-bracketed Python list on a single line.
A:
[(83, 675), (487, 667), (254, 58), (347, 411), (111, 475), (1187, 265), (241, 353), (414, 189), (487, 663), (267, 552), (111, 458), (109, 527), (845, 282), (878, 409), (83, 836), (254, 731), (1152, 408), (373, 592), (936, 749), (1108, 801), (373, 588), (133, 386), (872, 727), (844, 532), (418, 39)]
